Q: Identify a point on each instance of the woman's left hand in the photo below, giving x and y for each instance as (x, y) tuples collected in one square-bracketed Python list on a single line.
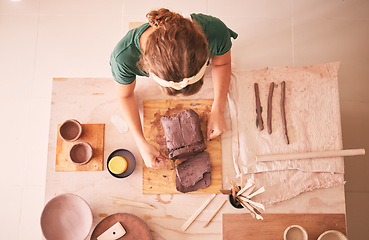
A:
[(216, 124)]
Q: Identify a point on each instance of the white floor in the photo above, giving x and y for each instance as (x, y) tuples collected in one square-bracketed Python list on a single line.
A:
[(42, 39)]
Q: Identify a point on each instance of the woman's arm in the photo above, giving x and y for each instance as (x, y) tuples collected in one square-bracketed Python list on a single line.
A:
[(221, 75), (130, 113)]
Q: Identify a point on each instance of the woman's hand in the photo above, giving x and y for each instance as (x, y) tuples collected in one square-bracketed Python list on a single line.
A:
[(151, 155), (216, 124)]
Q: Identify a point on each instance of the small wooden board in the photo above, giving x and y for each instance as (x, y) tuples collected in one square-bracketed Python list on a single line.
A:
[(243, 226), (92, 134), (162, 181)]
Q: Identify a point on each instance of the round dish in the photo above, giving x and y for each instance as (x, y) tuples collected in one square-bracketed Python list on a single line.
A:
[(131, 162), (294, 232), (135, 227), (70, 130), (66, 217), (332, 234), (81, 153)]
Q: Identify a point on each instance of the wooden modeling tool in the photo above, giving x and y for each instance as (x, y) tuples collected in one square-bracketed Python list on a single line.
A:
[(131, 203), (215, 213), (197, 213)]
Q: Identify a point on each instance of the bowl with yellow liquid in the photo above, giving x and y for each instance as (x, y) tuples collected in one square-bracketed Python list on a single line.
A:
[(121, 163)]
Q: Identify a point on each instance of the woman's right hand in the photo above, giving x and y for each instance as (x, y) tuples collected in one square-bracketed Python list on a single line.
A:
[(151, 155)]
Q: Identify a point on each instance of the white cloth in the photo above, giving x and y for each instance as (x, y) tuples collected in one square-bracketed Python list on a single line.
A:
[(313, 123)]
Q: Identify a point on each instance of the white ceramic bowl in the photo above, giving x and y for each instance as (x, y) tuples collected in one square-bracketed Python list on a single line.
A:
[(332, 235), (295, 232), (66, 217)]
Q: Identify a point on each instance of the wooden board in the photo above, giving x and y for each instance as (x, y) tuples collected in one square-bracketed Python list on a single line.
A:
[(162, 181), (91, 133), (243, 226)]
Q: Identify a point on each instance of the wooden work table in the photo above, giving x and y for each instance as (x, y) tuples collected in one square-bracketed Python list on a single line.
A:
[(94, 101)]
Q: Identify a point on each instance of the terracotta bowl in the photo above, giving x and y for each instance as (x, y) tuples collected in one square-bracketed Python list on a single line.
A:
[(66, 217), (131, 162), (81, 153), (70, 130), (332, 235)]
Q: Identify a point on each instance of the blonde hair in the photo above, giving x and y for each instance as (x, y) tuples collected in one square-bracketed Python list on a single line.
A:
[(177, 49)]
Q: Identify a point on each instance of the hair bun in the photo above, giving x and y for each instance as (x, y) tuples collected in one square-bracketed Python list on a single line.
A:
[(162, 17)]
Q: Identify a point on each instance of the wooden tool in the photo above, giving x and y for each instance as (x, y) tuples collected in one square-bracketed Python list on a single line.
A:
[(132, 203), (243, 226), (197, 213), (216, 212), (304, 155)]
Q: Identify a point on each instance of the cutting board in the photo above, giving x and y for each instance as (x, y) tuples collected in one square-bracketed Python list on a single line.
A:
[(243, 226), (162, 181), (92, 134)]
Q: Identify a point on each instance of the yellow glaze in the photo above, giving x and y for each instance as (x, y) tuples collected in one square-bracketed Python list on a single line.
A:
[(117, 165)]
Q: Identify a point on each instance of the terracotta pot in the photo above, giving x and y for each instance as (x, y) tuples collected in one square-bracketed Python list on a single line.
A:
[(70, 130), (81, 153)]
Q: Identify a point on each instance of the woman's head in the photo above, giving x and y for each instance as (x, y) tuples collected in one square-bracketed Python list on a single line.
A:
[(176, 50)]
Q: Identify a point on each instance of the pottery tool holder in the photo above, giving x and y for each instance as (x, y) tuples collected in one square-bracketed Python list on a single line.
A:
[(162, 181), (92, 134)]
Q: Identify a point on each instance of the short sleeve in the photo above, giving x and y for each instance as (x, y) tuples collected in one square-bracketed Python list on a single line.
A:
[(216, 32), (219, 37), (121, 73)]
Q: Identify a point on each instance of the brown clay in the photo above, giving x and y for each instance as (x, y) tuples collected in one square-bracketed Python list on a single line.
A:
[(258, 108), (80, 153), (283, 112), (269, 116), (70, 130)]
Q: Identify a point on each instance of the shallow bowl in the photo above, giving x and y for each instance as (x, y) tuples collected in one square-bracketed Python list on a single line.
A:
[(66, 217)]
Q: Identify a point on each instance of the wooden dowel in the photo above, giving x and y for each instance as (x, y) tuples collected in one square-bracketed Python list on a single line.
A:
[(197, 213), (216, 212), (269, 112), (305, 155), (132, 203)]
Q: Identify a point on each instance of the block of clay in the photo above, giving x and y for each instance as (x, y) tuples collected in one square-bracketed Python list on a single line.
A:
[(192, 170), (183, 134), (203, 183)]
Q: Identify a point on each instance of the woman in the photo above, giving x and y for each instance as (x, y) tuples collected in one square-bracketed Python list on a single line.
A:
[(175, 51)]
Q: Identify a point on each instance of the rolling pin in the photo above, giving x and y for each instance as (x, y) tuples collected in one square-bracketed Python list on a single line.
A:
[(304, 155)]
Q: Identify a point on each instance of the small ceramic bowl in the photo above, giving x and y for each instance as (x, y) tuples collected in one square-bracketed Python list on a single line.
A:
[(80, 153), (66, 217), (295, 232), (129, 157), (332, 235), (70, 130)]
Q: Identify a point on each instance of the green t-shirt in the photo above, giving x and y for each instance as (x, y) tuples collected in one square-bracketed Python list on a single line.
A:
[(127, 53)]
